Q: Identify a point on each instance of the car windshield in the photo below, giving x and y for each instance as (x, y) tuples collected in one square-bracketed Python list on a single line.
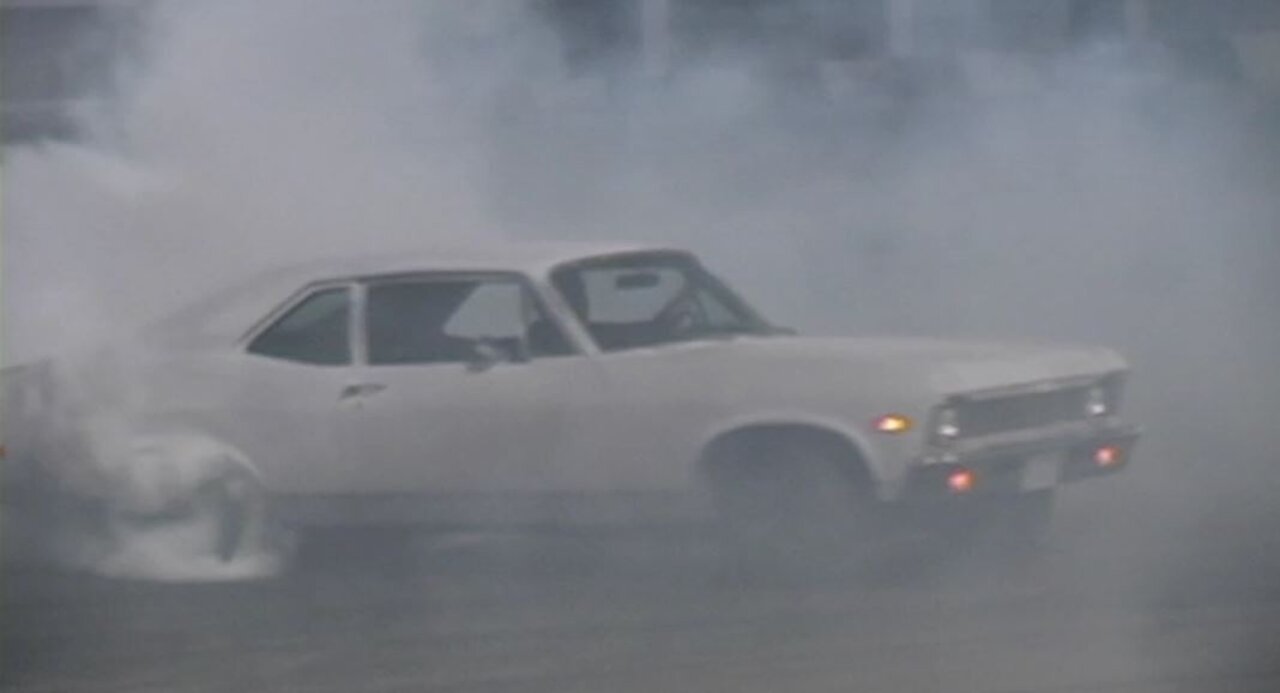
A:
[(652, 299)]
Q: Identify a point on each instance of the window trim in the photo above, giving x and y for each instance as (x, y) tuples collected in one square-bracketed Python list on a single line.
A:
[(360, 333), (294, 300)]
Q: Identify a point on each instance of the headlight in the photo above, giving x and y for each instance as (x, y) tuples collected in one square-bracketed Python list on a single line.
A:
[(1096, 402), (946, 424)]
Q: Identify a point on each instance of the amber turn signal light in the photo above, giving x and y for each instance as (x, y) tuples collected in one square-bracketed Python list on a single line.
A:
[(893, 423)]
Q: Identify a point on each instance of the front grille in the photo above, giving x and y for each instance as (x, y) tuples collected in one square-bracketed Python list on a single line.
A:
[(982, 417)]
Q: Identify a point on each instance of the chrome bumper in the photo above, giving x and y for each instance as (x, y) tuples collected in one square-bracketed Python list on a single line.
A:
[(1003, 465)]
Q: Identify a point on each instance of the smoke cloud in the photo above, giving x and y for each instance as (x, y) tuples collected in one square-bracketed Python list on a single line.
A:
[(1100, 196)]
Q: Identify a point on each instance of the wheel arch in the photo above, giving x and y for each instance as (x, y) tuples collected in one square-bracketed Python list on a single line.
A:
[(847, 445), (167, 466)]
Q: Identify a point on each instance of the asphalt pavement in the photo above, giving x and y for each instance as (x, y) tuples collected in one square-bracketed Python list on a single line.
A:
[(1151, 586)]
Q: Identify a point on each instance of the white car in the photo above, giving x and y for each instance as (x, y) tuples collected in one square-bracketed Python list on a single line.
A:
[(548, 384)]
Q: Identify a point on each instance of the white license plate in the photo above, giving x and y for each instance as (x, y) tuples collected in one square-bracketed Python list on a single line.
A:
[(1043, 471)]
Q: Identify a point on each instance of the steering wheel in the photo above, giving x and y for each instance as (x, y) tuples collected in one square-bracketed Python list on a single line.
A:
[(681, 315)]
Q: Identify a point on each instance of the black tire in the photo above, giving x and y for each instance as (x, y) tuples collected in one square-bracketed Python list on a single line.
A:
[(231, 505), (790, 502)]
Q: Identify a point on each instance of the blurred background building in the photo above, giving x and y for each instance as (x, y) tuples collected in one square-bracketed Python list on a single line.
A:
[(58, 55)]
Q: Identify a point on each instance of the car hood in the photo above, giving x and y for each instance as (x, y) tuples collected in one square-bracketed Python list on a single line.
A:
[(944, 366)]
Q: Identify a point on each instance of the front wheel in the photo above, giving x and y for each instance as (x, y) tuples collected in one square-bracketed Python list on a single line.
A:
[(788, 502)]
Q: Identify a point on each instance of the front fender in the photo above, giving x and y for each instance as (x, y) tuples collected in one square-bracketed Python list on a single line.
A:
[(878, 460)]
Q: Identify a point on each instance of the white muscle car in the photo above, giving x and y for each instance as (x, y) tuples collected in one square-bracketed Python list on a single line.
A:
[(547, 384)]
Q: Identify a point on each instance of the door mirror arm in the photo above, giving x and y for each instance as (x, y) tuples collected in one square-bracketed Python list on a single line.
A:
[(487, 353), (484, 355)]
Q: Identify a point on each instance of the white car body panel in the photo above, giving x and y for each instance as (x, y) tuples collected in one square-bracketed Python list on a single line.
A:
[(594, 423), (445, 429)]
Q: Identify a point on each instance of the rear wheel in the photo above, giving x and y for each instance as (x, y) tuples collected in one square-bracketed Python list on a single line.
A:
[(231, 509)]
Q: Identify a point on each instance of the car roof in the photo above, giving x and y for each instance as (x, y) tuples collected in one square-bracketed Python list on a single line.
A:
[(226, 315), (532, 257)]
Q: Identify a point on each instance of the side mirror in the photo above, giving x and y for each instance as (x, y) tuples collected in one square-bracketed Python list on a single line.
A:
[(489, 352), (484, 355)]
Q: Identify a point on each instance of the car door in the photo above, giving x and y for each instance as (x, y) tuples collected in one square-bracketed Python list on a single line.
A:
[(639, 419), (454, 396), (287, 385)]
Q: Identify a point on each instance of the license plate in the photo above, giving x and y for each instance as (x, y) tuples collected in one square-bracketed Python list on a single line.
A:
[(1042, 471)]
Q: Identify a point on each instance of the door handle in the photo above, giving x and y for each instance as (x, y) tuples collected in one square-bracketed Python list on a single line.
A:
[(361, 390)]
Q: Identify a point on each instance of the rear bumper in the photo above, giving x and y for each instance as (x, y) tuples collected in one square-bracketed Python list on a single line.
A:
[(1025, 465)]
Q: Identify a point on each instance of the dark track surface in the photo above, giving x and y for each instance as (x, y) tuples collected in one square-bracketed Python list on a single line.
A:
[(1143, 591)]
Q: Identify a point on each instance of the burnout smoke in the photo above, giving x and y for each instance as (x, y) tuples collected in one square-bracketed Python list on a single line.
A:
[(1097, 199)]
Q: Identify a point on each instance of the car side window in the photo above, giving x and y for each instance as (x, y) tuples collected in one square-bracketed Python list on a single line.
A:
[(444, 320), (493, 310), (316, 331)]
